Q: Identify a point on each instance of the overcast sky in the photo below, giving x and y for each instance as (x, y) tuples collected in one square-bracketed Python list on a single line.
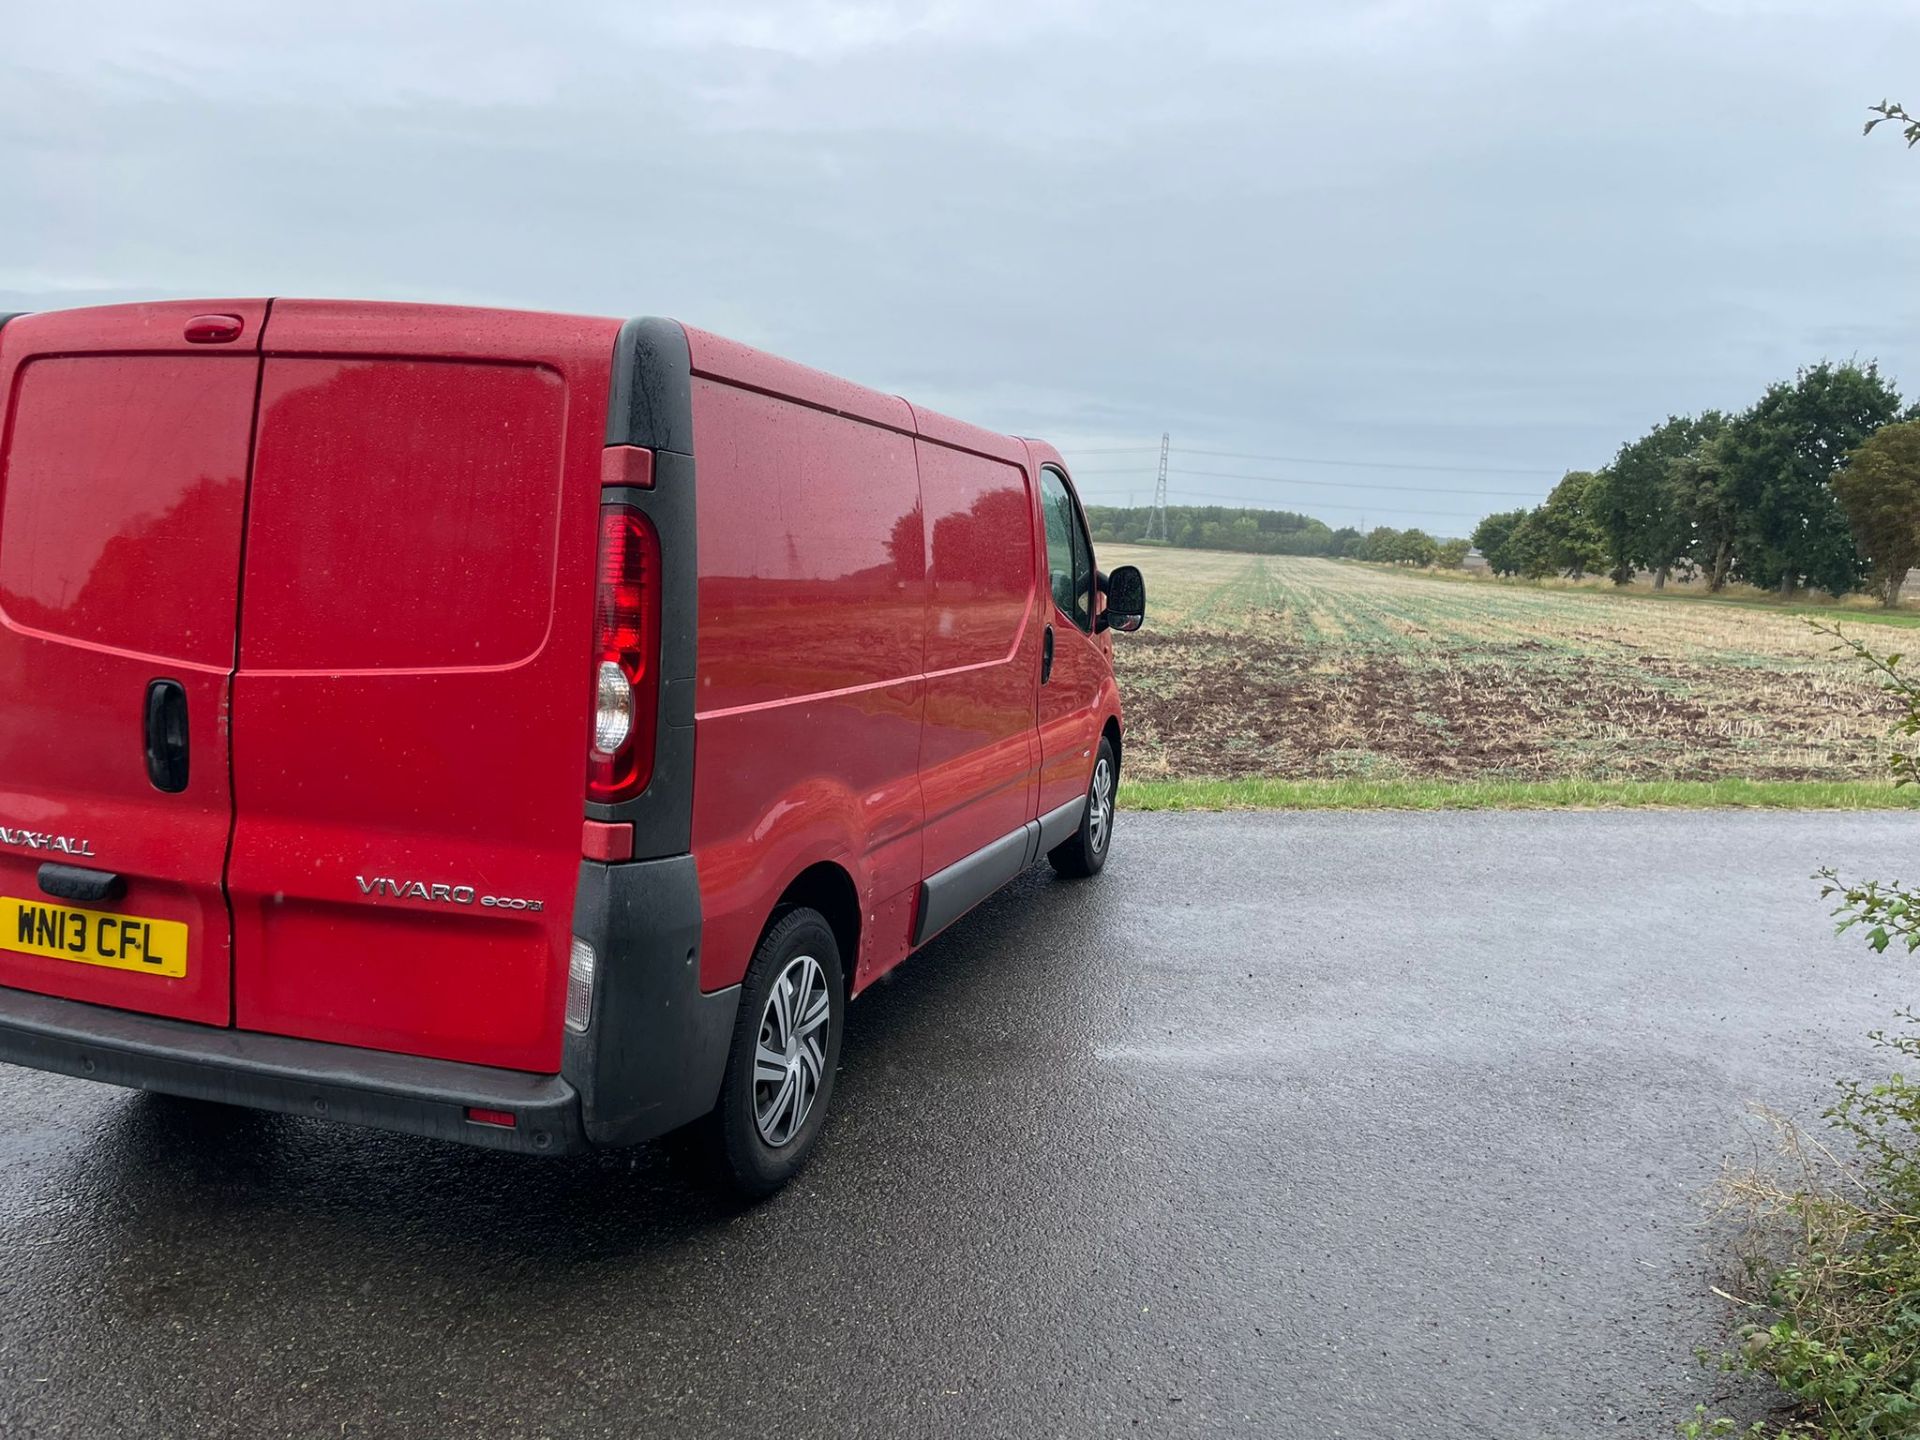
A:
[(1499, 235)]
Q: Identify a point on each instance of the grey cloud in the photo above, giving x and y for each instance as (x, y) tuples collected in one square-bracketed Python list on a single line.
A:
[(1499, 234)]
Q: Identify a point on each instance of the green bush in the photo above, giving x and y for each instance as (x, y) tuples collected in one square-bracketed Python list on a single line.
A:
[(1703, 1427), (1830, 1247), (1830, 1239)]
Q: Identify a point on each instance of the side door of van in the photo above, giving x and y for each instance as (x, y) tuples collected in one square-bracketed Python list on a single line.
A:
[(123, 485), (1072, 679), (812, 585), (979, 754)]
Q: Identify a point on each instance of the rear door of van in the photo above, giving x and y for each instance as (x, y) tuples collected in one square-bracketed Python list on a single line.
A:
[(123, 475), (411, 705)]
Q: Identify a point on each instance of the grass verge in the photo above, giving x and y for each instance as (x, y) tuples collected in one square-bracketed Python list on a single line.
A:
[(1516, 795)]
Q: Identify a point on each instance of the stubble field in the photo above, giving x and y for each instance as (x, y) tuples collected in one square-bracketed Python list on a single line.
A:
[(1277, 668)]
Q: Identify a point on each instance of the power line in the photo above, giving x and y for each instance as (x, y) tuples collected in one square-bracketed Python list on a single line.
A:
[(1375, 464), (1328, 484), (1353, 509), (1359, 510), (1540, 472), (1344, 485), (1241, 502)]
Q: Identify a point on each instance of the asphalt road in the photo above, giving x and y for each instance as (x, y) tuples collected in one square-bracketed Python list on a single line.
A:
[(1316, 1126)]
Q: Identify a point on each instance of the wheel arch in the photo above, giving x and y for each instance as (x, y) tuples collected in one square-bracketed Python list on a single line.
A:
[(828, 888)]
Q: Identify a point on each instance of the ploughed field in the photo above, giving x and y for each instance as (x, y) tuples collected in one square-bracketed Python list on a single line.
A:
[(1300, 668)]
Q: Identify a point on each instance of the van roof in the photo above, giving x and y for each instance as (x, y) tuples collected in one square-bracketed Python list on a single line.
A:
[(719, 358)]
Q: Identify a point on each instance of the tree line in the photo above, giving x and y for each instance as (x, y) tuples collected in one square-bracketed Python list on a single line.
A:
[(1218, 527), (1272, 532), (1816, 485)]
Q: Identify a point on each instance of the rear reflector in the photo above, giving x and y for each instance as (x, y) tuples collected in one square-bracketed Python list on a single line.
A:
[(579, 986), (480, 1115), (626, 465), (601, 841)]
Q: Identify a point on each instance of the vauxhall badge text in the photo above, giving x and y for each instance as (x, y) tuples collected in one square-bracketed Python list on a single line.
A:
[(40, 840)]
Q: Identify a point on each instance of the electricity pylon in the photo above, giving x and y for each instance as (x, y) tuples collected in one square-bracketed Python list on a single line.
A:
[(1157, 522)]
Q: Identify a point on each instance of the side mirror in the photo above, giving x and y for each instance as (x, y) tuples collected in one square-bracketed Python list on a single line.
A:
[(1126, 600)]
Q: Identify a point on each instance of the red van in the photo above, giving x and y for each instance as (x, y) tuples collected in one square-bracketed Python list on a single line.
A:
[(515, 728)]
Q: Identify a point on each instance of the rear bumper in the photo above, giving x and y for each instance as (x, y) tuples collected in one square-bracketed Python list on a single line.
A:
[(651, 1059), (296, 1077), (656, 1045)]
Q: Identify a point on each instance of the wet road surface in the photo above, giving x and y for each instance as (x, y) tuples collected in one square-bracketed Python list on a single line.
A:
[(1311, 1125)]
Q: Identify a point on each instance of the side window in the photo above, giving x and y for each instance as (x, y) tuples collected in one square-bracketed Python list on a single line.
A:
[(1069, 553), (1082, 575)]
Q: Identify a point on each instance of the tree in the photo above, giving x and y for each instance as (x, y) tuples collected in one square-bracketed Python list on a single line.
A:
[(1415, 547), (1780, 457), (1379, 543), (1452, 554), (1561, 536), (1532, 547), (1698, 482), (1880, 490), (1614, 517), (1493, 538), (1640, 517)]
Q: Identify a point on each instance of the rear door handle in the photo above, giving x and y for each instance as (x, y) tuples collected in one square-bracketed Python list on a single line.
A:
[(1046, 656), (72, 882), (167, 736)]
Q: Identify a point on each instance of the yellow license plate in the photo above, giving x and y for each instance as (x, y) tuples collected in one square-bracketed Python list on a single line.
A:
[(94, 937)]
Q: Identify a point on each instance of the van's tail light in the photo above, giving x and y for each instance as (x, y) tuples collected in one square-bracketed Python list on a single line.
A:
[(626, 657)]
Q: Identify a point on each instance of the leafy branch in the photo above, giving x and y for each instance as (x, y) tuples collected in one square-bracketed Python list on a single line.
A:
[(1890, 912), (1896, 112), (1887, 910), (1905, 691)]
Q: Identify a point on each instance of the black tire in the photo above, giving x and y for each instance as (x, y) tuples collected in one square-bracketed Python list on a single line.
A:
[(756, 1164), (1084, 853)]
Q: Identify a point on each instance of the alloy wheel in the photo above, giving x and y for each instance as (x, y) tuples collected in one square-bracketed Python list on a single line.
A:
[(1100, 805), (790, 1060)]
